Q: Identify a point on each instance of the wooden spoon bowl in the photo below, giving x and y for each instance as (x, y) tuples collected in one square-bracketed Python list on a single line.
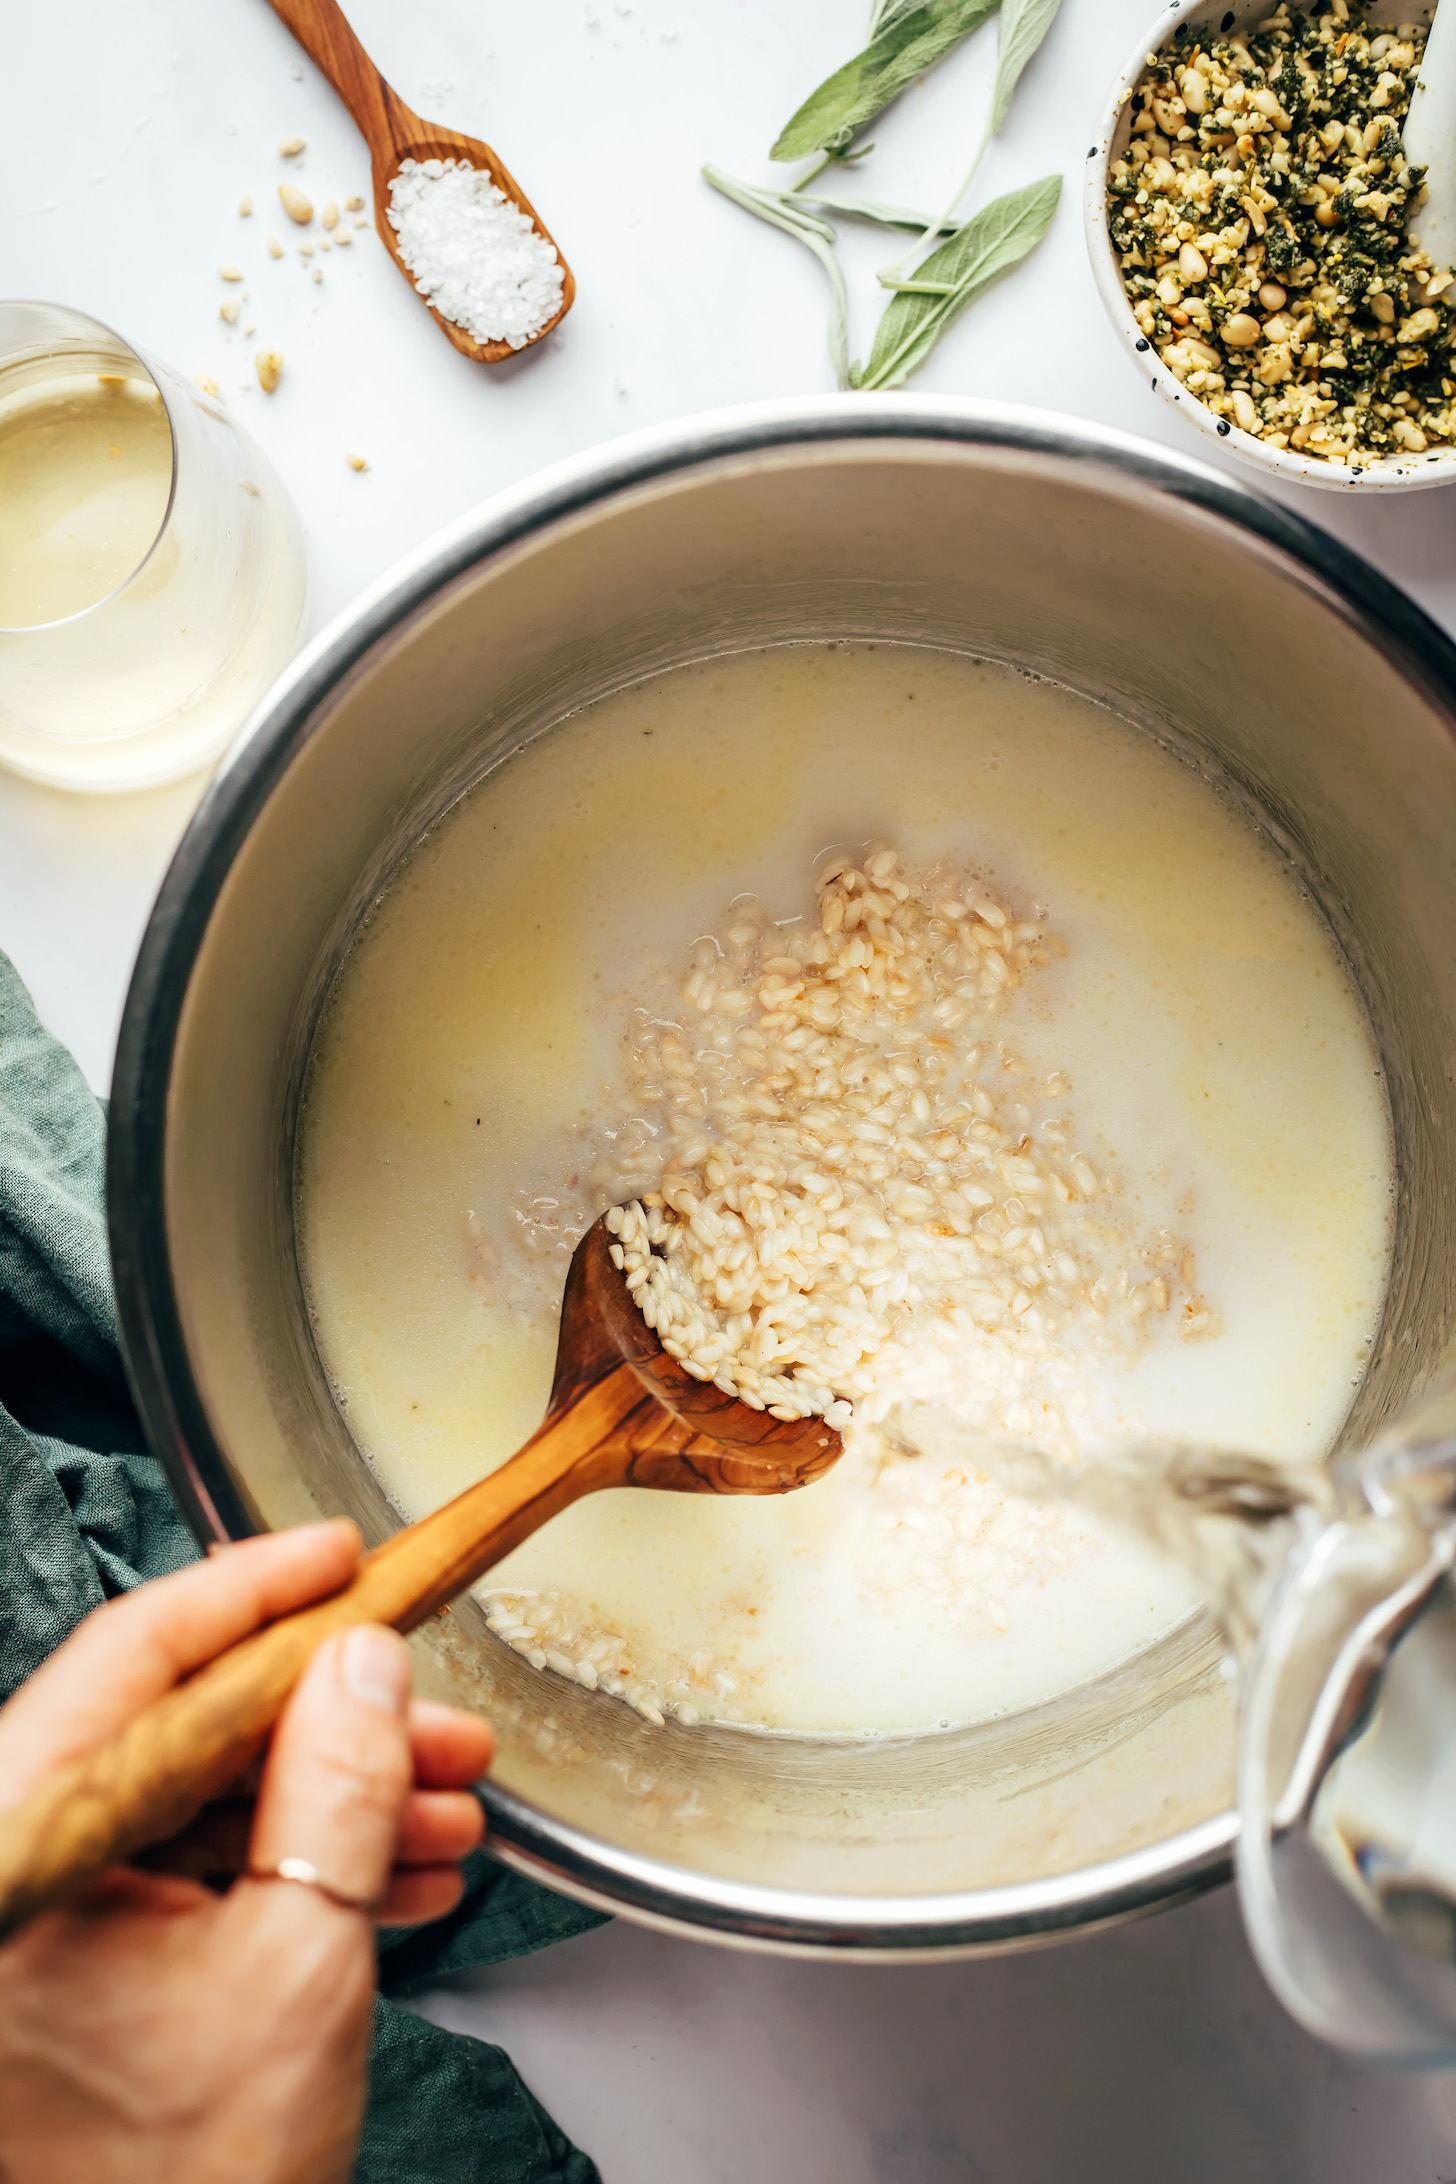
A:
[(394, 133), (622, 1413)]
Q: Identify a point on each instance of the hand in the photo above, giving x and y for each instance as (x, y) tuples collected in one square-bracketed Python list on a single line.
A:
[(157, 2033)]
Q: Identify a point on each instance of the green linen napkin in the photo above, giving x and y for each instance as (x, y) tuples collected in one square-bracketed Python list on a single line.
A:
[(85, 1513)]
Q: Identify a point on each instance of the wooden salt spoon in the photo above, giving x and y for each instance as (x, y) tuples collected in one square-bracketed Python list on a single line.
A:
[(622, 1413), (394, 133)]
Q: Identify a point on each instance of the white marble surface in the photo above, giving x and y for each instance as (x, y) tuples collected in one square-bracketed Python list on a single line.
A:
[(1148, 2056)]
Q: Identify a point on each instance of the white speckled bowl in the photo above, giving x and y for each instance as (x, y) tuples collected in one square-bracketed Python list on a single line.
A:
[(1410, 473)]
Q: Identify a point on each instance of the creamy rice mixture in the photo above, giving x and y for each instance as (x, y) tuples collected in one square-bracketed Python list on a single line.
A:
[(1048, 1107)]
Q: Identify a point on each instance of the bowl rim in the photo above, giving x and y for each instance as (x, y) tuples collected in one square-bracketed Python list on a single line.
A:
[(168, 1399), (1415, 474)]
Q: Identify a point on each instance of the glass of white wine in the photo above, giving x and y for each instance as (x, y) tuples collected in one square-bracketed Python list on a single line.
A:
[(151, 566)]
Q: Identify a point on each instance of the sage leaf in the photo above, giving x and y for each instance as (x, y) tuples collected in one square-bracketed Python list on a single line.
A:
[(815, 234), (912, 40), (993, 240), (1023, 25), (885, 14), (866, 208)]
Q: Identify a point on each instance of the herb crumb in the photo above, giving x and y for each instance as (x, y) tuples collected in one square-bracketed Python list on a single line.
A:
[(1260, 215)]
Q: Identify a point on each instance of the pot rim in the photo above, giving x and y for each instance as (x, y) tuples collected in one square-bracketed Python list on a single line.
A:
[(882, 1928)]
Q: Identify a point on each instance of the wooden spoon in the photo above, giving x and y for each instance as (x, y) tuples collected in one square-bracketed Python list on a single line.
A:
[(622, 1413), (393, 133)]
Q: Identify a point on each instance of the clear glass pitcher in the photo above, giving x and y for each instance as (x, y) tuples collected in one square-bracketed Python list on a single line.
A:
[(1347, 1764), (1334, 1586)]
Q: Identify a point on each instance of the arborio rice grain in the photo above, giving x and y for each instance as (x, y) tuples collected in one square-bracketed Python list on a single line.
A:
[(864, 1200)]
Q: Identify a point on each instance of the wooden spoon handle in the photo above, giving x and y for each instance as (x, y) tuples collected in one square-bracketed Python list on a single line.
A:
[(191, 1743), (324, 32)]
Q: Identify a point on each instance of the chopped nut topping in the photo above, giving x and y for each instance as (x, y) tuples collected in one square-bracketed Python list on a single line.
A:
[(205, 380), (245, 208), (357, 462), (291, 147), (268, 364), (228, 311), (275, 248), (1267, 259), (354, 203)]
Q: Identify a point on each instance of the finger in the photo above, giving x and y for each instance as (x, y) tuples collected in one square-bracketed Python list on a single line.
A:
[(339, 1768), (438, 1825), (129, 1652), (211, 1849), (131, 1892), (451, 1748), (417, 1894)]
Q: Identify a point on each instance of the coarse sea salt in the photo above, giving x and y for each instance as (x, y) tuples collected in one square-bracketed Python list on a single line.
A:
[(473, 254)]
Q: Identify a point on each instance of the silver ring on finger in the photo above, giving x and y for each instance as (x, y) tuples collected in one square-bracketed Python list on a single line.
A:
[(307, 1875)]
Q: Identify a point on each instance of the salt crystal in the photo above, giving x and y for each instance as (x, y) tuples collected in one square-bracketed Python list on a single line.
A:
[(474, 255)]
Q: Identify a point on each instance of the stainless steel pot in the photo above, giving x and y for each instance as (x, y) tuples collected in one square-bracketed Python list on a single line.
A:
[(1273, 660)]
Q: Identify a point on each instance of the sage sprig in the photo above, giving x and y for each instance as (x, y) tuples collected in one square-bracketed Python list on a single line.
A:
[(1019, 33), (996, 238), (905, 41), (783, 211), (906, 37)]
